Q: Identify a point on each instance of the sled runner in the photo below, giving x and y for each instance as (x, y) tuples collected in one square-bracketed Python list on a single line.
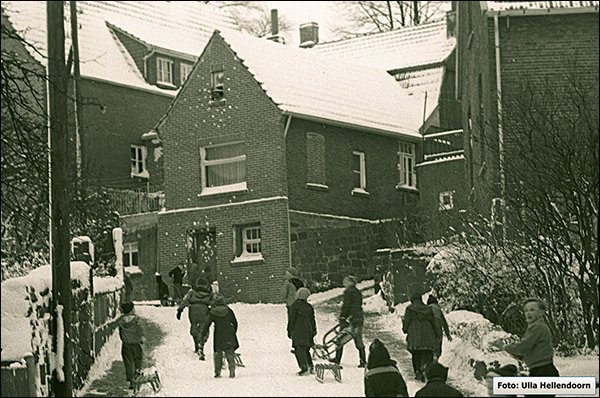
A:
[(147, 376), (335, 369), (238, 361), (336, 337)]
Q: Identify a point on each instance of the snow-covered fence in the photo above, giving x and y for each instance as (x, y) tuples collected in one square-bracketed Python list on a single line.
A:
[(28, 360)]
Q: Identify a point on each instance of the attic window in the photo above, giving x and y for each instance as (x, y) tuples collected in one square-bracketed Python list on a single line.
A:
[(217, 85), (185, 70), (164, 71)]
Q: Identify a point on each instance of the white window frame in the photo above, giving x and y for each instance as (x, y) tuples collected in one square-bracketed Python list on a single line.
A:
[(362, 172), (406, 165), (239, 186), (184, 71), (246, 255), (138, 160), (128, 250), (164, 71), (446, 206)]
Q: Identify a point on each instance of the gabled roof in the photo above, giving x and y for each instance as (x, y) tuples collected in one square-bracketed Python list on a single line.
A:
[(403, 48), (181, 26), (321, 87), (540, 7), (418, 52)]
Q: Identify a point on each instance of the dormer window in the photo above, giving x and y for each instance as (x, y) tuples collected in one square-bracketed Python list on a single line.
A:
[(217, 85), (185, 70), (164, 71)]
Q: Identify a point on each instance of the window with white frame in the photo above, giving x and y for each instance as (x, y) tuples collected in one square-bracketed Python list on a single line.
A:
[(217, 85), (223, 167), (138, 160), (406, 165), (185, 70), (164, 70), (130, 254), (446, 200), (359, 171), (247, 243)]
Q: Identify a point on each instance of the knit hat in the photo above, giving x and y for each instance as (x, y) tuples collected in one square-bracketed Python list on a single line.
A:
[(506, 371), (126, 307), (432, 300), (378, 355), (302, 293), (293, 271), (436, 370), (351, 279)]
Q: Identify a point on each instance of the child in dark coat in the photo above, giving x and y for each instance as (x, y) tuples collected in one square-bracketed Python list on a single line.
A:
[(132, 337), (225, 334), (442, 324), (351, 315), (421, 330), (302, 329), (382, 378), (436, 386), (198, 299)]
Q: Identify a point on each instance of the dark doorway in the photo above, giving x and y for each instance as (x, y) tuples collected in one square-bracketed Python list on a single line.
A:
[(202, 255)]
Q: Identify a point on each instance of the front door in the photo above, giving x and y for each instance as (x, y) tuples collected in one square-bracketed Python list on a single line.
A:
[(202, 255)]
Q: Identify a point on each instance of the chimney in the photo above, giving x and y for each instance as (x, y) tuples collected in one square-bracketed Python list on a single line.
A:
[(275, 28), (309, 34)]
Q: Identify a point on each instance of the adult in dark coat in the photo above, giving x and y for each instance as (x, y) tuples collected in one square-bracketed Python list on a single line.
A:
[(163, 290), (198, 300), (421, 329), (351, 315), (442, 324), (302, 328), (382, 378), (225, 334), (436, 386)]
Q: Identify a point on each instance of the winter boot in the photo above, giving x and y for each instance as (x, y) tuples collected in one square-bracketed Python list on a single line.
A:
[(201, 353), (218, 358), (362, 355), (231, 370)]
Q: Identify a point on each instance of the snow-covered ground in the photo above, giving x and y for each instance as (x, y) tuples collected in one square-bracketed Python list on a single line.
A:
[(271, 368)]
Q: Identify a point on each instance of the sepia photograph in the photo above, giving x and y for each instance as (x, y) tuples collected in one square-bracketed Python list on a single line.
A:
[(300, 198)]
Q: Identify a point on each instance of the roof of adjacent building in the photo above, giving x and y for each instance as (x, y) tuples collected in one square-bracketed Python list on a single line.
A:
[(416, 52), (525, 7), (324, 88), (180, 26)]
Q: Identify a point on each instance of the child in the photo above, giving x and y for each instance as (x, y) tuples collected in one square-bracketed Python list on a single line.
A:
[(382, 377), (442, 325), (198, 299), (302, 329), (132, 336), (352, 314), (224, 335), (535, 347), (436, 375), (505, 371)]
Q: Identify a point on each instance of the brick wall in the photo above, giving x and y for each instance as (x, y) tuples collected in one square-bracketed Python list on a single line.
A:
[(108, 133), (383, 201)]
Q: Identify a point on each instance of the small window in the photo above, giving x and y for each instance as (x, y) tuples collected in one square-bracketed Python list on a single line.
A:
[(359, 171), (406, 165), (138, 160), (247, 243), (185, 70), (446, 200), (164, 70), (130, 255), (223, 168), (217, 85)]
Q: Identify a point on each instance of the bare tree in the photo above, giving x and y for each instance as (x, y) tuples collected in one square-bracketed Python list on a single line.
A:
[(360, 17), (254, 17)]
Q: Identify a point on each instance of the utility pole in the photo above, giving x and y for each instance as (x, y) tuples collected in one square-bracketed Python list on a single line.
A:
[(62, 377)]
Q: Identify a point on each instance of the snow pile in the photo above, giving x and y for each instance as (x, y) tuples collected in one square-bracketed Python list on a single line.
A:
[(111, 350)]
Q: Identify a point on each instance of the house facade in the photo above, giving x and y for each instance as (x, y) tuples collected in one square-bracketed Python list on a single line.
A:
[(129, 74), (271, 158), (502, 47)]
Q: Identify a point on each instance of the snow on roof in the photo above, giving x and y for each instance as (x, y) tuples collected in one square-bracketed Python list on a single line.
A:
[(397, 49), (183, 26), (322, 87), (538, 5)]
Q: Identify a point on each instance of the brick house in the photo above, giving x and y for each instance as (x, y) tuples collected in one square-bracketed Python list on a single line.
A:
[(422, 59), (276, 156), (134, 56), (502, 45)]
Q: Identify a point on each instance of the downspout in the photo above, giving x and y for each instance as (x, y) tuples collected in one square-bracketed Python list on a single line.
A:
[(151, 53), (500, 132), (285, 132)]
